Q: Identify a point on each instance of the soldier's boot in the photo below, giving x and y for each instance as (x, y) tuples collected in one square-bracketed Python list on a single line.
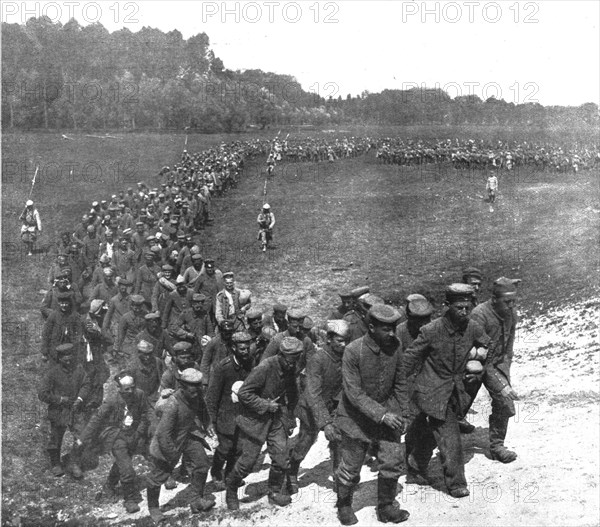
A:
[(109, 489), (415, 474), (231, 492), (200, 503), (388, 510), (292, 477), (75, 465), (55, 465), (344, 505), (498, 428), (277, 496), (129, 497), (216, 471), (153, 494)]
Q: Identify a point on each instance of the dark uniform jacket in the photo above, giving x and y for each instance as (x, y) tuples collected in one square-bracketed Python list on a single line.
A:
[(59, 329), (58, 382), (223, 411), (180, 419), (199, 326), (267, 381), (443, 352), (323, 386), (371, 378), (502, 333), (129, 327), (273, 348), (160, 343), (148, 378), (145, 281), (109, 422), (216, 350)]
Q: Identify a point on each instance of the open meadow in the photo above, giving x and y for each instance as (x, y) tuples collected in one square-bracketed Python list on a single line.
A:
[(352, 222)]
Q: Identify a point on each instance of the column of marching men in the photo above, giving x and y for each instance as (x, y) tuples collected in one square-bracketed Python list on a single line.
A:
[(194, 362)]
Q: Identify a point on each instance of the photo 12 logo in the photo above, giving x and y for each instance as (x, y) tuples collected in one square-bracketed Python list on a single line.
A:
[(271, 12), (89, 12), (470, 12)]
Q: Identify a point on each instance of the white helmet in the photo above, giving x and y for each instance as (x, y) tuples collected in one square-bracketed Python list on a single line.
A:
[(266, 206), (29, 203)]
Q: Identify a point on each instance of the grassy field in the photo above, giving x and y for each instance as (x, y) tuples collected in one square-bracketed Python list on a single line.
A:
[(347, 223)]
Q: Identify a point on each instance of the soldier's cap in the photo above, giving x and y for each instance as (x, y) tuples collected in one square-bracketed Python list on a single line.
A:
[(181, 236), (359, 291), (338, 327), (155, 249), (139, 223), (209, 262), (198, 297), (241, 336), (65, 349), (161, 195), (167, 267), (268, 333), (91, 228), (418, 306), (154, 315), (279, 308), (253, 313), (505, 287), (369, 299), (137, 299), (307, 323), (191, 376), (384, 314), (196, 257), (95, 203), (455, 292), (145, 347), (96, 306), (345, 293), (181, 347), (129, 189), (149, 254), (124, 281), (228, 274), (174, 221), (126, 233), (226, 324), (295, 314), (108, 271), (166, 211), (472, 272), (64, 295), (291, 346)]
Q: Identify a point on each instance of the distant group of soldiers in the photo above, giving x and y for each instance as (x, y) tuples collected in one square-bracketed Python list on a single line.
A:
[(195, 366), (480, 155)]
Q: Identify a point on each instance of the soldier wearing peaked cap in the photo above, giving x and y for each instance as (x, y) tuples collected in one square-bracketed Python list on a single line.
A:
[(217, 349), (62, 326), (440, 354), (278, 320), (319, 400), (65, 388), (418, 313), (356, 317), (370, 412), (146, 276), (121, 426), (130, 325), (473, 277), (223, 410), (347, 304), (184, 424), (498, 317), (194, 325), (268, 398)]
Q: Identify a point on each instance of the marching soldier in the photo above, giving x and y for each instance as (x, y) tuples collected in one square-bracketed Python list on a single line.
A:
[(268, 397), (223, 410), (369, 414), (318, 402)]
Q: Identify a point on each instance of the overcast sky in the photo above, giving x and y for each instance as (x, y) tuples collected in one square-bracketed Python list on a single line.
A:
[(546, 51)]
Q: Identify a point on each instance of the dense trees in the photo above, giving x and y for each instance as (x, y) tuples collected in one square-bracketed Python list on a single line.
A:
[(72, 77)]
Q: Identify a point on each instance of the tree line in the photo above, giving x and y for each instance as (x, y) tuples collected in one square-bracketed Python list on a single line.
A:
[(70, 76)]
